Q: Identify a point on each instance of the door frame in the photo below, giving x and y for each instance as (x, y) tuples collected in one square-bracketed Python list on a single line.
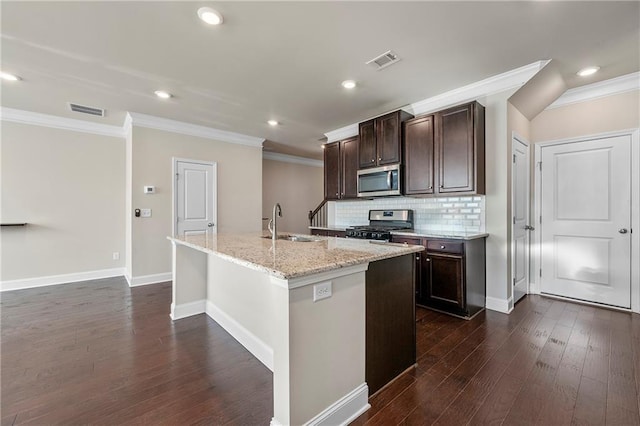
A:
[(635, 210), (174, 190), (516, 137)]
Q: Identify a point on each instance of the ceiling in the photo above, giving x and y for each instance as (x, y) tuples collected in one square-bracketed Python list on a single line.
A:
[(285, 60)]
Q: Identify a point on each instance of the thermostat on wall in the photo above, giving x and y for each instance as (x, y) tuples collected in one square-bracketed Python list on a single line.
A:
[(149, 189)]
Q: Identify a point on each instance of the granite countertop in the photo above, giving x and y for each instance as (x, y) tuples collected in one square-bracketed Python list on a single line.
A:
[(329, 228), (291, 259), (444, 234)]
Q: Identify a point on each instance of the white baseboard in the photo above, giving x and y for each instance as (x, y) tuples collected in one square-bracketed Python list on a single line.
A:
[(345, 410), (149, 279), (500, 305), (256, 346), (9, 285), (184, 310)]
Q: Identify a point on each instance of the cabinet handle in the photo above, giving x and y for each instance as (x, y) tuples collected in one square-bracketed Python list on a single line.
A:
[(373, 160), (441, 186), (428, 259), (442, 247), (379, 158), (336, 193), (431, 187), (417, 257)]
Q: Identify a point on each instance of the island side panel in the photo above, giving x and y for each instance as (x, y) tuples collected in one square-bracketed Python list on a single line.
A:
[(327, 351), (189, 286), (244, 302)]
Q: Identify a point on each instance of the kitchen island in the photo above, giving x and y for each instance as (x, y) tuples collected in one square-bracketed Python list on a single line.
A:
[(304, 309)]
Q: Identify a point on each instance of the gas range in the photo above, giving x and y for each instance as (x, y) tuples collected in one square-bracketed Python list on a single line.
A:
[(381, 223)]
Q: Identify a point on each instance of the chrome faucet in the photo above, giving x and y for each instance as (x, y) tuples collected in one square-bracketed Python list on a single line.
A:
[(273, 223)]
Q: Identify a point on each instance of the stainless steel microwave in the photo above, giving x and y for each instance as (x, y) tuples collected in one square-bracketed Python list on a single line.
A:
[(379, 181)]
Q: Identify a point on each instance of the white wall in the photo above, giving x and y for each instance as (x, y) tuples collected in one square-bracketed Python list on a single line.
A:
[(238, 184), (298, 188), (607, 114), (69, 187)]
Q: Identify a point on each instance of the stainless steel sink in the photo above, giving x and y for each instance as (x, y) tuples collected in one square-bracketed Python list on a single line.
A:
[(298, 238)]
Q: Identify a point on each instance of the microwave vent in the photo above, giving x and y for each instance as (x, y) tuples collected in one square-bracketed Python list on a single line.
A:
[(384, 60), (86, 109)]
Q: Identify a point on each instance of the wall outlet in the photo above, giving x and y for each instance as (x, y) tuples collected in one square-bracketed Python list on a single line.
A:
[(116, 255), (321, 291), (145, 212)]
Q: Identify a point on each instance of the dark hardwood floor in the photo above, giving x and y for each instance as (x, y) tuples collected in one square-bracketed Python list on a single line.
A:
[(101, 353)]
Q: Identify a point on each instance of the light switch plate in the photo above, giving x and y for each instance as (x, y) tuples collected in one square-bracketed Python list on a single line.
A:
[(145, 212)]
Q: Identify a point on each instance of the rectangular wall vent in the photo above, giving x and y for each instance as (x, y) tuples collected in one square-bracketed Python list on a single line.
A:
[(86, 109), (384, 60)]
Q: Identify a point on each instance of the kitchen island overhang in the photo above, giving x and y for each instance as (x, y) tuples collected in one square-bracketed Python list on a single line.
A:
[(262, 293)]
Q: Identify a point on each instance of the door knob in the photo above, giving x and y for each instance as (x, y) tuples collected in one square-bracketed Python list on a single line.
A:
[(529, 227), (210, 224), (622, 230)]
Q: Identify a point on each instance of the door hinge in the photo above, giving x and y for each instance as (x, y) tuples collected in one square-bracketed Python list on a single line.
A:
[(540, 271), (540, 219), (514, 281), (177, 176), (540, 165), (514, 159), (514, 220)]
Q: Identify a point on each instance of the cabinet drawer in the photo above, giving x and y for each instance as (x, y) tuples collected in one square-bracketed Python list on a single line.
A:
[(407, 240), (445, 246)]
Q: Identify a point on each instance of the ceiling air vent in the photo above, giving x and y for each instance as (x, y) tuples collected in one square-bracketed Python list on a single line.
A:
[(86, 109), (384, 60)]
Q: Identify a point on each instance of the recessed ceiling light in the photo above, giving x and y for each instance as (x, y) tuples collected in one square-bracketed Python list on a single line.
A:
[(588, 71), (210, 16), (9, 77), (162, 94), (348, 84), (273, 122)]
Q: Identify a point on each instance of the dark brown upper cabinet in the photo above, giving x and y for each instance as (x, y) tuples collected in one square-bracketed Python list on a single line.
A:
[(341, 169), (460, 149), (381, 140), (444, 152), (419, 155)]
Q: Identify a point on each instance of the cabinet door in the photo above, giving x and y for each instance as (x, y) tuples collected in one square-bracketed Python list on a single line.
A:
[(332, 171), (455, 145), (444, 283), (367, 145), (349, 175), (388, 138), (418, 155)]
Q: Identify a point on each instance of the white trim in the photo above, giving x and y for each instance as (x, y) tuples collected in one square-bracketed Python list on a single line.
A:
[(500, 305), (635, 206), (343, 411), (515, 137), (276, 156), (185, 310), (585, 302), (343, 133), (495, 84), (255, 345), (10, 285), (149, 279), (601, 89), (151, 122), (296, 282), (63, 123)]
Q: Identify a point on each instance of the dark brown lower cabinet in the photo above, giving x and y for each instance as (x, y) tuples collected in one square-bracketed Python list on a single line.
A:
[(451, 276), (391, 320)]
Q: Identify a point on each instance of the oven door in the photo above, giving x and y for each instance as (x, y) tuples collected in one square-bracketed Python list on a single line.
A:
[(379, 181)]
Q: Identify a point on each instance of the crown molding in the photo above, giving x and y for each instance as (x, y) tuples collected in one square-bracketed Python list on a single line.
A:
[(276, 156), (158, 123), (342, 133), (63, 123), (601, 89), (495, 84)]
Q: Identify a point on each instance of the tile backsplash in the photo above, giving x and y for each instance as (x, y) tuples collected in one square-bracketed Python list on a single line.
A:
[(453, 214)]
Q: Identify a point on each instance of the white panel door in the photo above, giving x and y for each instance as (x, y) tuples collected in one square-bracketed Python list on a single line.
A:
[(195, 198), (520, 205), (586, 218)]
